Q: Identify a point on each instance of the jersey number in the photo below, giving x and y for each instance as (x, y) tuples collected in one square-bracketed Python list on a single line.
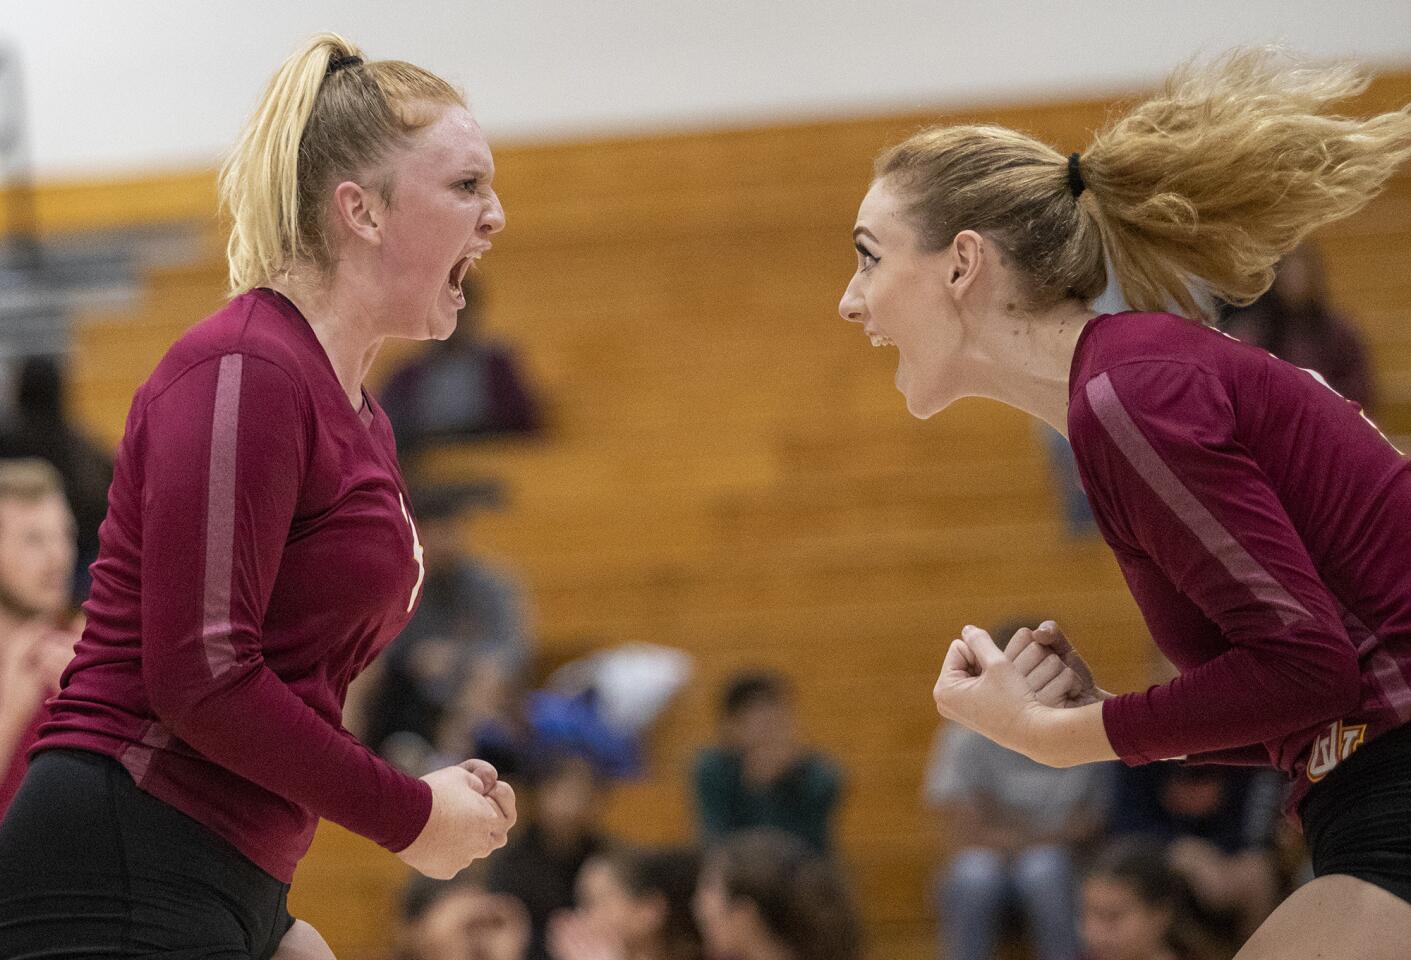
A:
[(417, 554)]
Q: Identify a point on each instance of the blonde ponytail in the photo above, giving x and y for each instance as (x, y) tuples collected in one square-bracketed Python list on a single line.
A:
[(327, 115), (1229, 169), (1209, 183)]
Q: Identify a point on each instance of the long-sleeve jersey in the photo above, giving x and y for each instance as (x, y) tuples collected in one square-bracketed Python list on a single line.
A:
[(258, 552), (1264, 527)]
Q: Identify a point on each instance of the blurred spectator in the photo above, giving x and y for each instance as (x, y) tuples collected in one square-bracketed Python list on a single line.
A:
[(500, 721), (1013, 827), (1077, 512), (1219, 827), (1135, 907), (461, 920), (767, 895), (597, 707), (460, 388), (41, 428), (469, 631), (1063, 466), (633, 904), (540, 865), (37, 636), (1295, 322), (762, 775)]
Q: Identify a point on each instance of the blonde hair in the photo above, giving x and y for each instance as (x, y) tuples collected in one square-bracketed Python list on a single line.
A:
[(1208, 183), (326, 116), (28, 479)]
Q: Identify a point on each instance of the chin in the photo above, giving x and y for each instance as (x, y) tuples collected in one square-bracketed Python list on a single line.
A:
[(918, 404), (438, 327), (924, 411)]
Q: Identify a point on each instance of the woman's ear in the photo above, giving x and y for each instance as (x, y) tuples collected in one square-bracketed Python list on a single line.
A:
[(968, 252), (358, 210)]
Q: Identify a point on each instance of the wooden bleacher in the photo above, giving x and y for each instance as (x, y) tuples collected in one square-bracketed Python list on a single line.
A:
[(730, 470)]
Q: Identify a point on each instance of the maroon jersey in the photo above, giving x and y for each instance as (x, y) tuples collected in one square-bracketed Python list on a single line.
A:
[(258, 552), (1264, 527)]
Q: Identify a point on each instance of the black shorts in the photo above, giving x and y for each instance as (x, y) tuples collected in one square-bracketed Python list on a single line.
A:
[(1358, 820), (90, 866)]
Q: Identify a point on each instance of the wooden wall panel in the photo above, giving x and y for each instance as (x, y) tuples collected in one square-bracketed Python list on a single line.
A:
[(730, 470)]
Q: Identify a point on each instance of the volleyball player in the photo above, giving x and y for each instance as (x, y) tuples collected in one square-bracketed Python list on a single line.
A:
[(1262, 523), (260, 549)]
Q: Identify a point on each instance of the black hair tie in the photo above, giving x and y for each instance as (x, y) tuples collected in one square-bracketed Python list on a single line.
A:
[(1075, 177), (341, 62)]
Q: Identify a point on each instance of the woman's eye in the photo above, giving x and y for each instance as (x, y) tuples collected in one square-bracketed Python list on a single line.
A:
[(865, 259)]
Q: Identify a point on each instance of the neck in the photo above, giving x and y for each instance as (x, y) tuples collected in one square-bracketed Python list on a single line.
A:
[(345, 324), (1027, 366)]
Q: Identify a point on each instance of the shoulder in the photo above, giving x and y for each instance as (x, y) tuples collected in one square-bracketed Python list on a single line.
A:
[(256, 324), (1159, 346), (1139, 377)]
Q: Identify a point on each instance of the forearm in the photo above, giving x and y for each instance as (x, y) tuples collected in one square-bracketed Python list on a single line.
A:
[(1066, 737), (1240, 697), (258, 728)]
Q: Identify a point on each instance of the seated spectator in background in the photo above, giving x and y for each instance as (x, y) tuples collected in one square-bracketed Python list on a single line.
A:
[(599, 706), (1295, 322), (762, 775), (460, 388), (633, 904), (563, 804), (1219, 827), (469, 629), (461, 920), (767, 895), (42, 429), (37, 626), (1135, 907), (496, 718), (1077, 510), (1013, 826)]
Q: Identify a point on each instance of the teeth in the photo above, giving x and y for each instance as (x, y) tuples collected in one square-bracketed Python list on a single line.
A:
[(880, 341)]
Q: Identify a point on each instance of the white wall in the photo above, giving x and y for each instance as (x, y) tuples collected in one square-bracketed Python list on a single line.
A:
[(131, 85)]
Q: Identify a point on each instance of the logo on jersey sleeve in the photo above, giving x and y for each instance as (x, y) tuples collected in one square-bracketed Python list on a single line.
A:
[(1334, 746)]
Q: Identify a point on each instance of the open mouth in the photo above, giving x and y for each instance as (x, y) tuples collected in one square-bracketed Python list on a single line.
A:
[(458, 272), (880, 341)]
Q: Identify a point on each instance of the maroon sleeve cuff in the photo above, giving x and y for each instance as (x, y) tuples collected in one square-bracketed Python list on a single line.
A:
[(1123, 730), (416, 811)]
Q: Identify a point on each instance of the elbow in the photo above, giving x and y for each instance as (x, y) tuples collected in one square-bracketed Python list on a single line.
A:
[(1332, 689), (167, 704), (1346, 690), (169, 699)]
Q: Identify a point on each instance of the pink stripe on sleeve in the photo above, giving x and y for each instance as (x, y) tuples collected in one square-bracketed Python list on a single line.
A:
[(1138, 451), (220, 517)]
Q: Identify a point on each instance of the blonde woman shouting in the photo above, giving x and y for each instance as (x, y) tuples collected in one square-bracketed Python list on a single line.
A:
[(260, 549)]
